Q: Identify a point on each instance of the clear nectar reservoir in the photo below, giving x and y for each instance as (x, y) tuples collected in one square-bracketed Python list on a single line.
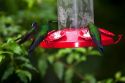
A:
[(75, 13)]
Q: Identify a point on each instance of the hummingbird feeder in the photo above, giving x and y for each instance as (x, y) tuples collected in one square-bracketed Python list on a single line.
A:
[(73, 18)]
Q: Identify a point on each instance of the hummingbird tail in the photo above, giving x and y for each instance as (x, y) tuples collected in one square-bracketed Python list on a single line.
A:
[(99, 45), (101, 50), (30, 53), (34, 44)]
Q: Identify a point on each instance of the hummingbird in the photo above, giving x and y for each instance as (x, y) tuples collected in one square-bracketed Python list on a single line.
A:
[(96, 36), (28, 35), (44, 29), (39, 37), (38, 34)]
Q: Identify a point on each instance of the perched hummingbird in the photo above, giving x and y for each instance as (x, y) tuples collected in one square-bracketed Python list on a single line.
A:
[(44, 29), (39, 37), (96, 37), (38, 34), (29, 35)]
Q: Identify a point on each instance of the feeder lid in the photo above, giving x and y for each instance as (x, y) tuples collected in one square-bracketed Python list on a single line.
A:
[(71, 38)]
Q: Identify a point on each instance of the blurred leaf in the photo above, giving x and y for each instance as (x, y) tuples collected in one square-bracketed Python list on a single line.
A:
[(106, 81), (90, 49), (94, 52), (90, 78), (122, 79), (1, 57), (28, 66), (81, 50), (118, 75), (9, 40), (63, 52), (24, 74), (39, 1), (76, 56), (69, 73), (6, 52), (22, 58), (59, 69), (83, 58), (51, 58), (109, 81), (30, 3), (42, 66), (8, 26), (8, 72), (22, 77), (70, 59), (15, 48)]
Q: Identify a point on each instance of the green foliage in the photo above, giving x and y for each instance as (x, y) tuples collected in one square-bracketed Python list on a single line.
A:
[(118, 78), (23, 75), (9, 71), (59, 69), (65, 61), (18, 63), (8, 25), (69, 75), (89, 79), (30, 3), (16, 17), (42, 66)]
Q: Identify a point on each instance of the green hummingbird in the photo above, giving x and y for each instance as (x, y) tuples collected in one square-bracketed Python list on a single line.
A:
[(44, 29), (29, 34), (39, 37), (38, 34), (96, 36)]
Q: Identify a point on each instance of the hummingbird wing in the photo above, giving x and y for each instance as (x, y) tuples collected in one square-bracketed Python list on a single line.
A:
[(34, 44), (98, 44), (39, 37)]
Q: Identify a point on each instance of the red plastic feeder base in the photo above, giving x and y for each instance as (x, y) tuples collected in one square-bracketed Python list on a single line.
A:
[(71, 38)]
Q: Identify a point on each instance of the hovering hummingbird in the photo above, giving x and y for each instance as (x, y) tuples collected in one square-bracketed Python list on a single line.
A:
[(96, 37)]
